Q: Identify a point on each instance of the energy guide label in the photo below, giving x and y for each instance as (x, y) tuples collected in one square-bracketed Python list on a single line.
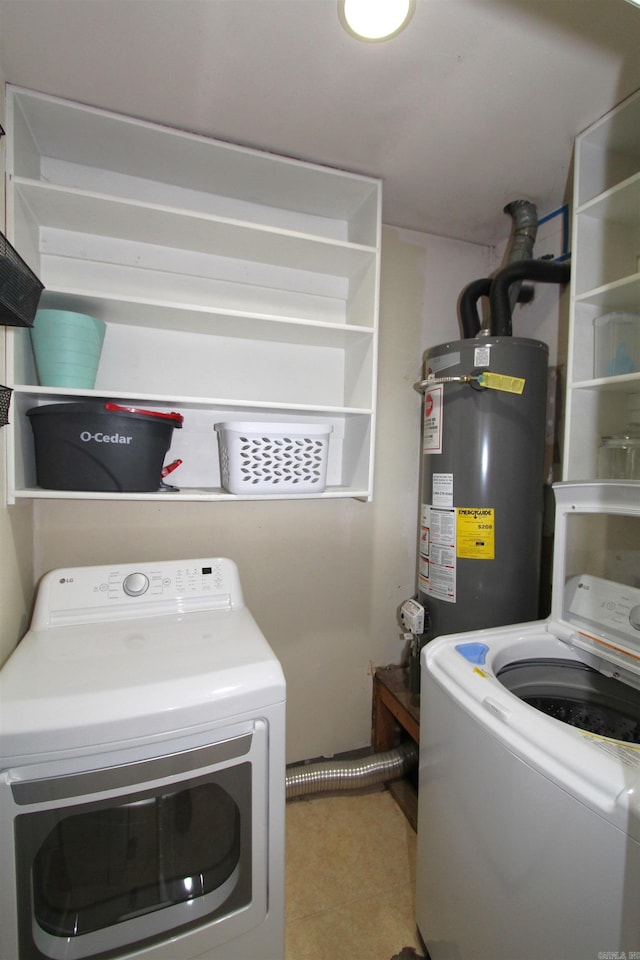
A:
[(475, 529)]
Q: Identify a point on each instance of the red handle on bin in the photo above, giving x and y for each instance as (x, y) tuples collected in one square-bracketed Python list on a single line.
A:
[(170, 468), (177, 417)]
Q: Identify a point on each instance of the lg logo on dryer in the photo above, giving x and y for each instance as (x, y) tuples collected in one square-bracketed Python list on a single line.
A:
[(86, 436)]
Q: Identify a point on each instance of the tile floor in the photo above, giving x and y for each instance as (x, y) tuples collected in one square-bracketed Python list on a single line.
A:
[(349, 878)]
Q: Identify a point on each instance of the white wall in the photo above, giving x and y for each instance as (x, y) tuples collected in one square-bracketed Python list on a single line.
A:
[(323, 578)]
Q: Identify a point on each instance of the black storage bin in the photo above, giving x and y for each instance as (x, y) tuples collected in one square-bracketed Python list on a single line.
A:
[(98, 446)]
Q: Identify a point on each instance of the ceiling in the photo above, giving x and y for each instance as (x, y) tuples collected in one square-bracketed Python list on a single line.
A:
[(475, 104)]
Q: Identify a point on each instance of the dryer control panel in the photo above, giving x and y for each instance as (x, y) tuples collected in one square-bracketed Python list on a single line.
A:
[(87, 594)]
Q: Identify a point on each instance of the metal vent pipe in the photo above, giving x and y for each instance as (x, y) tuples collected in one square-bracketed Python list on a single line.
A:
[(326, 776), (525, 228)]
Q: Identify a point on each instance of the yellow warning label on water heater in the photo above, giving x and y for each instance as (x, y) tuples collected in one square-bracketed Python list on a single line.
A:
[(475, 533), (498, 381)]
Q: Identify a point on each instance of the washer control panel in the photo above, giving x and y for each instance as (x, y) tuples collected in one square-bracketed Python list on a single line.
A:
[(604, 607), (85, 594)]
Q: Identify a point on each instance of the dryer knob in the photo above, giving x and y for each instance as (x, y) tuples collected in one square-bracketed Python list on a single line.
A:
[(135, 584), (634, 617)]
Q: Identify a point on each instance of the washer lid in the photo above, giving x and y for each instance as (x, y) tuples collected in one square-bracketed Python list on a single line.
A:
[(597, 534)]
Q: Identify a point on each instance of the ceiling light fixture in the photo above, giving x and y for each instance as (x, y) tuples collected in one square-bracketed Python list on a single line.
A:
[(375, 19)]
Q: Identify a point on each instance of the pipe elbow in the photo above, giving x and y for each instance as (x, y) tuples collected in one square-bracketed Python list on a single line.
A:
[(541, 271), (469, 317)]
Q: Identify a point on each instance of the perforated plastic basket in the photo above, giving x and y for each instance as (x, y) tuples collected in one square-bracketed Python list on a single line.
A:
[(273, 457)]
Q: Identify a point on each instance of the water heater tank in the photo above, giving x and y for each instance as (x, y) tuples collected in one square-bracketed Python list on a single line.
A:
[(483, 433)]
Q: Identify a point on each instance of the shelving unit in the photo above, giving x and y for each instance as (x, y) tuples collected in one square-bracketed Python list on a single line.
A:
[(235, 285), (605, 278)]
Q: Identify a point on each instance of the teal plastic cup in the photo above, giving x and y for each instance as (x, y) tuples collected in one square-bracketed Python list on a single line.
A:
[(67, 348)]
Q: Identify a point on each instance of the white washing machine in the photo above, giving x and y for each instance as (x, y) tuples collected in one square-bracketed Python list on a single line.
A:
[(529, 784), (142, 771)]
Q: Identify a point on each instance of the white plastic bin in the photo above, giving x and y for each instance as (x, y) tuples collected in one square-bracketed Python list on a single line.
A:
[(277, 458)]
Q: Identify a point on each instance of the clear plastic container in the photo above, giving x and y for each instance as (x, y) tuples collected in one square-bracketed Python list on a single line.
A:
[(617, 345)]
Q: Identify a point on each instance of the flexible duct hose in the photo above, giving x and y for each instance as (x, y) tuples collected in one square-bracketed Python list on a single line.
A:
[(328, 775)]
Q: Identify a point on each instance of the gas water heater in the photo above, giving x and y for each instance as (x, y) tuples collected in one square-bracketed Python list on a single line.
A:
[(483, 436), (483, 440)]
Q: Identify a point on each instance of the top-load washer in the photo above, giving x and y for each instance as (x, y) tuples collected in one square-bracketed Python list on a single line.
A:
[(142, 772), (529, 783)]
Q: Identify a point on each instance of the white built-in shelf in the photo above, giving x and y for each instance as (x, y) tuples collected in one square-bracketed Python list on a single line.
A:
[(605, 278), (234, 284)]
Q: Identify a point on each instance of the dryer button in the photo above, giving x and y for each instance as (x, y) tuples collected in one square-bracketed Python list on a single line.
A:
[(634, 617), (135, 584)]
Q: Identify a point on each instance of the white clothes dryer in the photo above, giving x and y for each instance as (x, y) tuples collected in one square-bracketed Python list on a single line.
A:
[(529, 783), (142, 771)]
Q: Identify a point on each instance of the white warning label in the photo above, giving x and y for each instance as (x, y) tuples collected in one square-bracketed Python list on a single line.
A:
[(437, 564), (624, 752), (442, 489), (432, 422)]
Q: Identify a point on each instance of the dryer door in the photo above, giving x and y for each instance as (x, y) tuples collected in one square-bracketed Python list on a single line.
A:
[(137, 852)]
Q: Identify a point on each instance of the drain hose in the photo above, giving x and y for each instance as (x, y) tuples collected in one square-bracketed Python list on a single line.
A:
[(328, 775)]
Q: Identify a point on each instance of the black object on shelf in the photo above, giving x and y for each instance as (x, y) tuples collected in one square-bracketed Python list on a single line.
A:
[(5, 402), (98, 445), (20, 289)]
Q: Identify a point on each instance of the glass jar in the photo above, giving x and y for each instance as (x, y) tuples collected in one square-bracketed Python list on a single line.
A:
[(619, 455)]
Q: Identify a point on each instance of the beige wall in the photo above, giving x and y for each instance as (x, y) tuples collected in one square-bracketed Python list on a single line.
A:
[(323, 578)]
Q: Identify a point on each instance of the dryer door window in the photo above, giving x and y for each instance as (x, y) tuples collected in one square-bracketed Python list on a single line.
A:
[(101, 870), (98, 868)]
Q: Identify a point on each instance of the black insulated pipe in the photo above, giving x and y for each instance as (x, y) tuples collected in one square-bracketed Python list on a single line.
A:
[(469, 317), (541, 271)]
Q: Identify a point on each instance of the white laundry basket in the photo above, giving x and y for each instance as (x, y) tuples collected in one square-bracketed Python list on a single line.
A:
[(258, 458)]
